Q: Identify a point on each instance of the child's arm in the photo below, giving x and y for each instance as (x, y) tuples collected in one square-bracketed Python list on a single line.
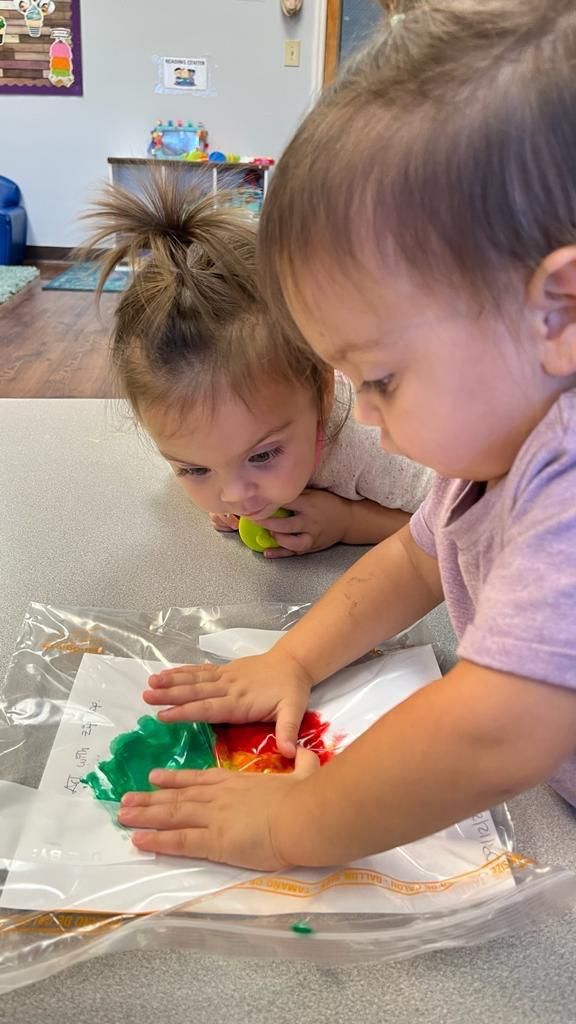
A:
[(459, 746), (384, 592), (371, 523), (451, 750), (322, 519)]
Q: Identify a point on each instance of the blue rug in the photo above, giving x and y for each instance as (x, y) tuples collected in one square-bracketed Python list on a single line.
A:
[(14, 279), (83, 277)]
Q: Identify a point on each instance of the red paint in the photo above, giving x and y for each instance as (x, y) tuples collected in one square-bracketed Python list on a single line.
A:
[(252, 747)]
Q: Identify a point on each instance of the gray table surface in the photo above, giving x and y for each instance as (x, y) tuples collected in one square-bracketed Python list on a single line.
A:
[(90, 516)]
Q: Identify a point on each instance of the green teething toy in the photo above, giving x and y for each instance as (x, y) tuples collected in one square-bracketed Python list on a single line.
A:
[(255, 537)]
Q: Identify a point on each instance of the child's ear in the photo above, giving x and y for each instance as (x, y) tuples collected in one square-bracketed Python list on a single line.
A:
[(552, 298)]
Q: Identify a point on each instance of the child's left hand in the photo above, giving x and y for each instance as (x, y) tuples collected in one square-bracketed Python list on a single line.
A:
[(223, 522), (216, 815), (320, 520)]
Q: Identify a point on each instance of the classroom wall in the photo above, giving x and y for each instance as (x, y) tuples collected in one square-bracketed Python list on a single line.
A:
[(56, 147)]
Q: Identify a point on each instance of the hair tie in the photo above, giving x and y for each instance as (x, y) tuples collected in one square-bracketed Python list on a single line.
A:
[(194, 254)]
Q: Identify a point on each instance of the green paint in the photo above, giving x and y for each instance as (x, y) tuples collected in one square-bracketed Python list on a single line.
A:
[(254, 536), (302, 928), (153, 744)]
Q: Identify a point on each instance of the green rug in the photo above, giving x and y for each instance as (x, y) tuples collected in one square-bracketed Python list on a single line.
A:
[(14, 279), (83, 277)]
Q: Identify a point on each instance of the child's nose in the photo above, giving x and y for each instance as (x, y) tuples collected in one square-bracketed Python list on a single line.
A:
[(236, 489)]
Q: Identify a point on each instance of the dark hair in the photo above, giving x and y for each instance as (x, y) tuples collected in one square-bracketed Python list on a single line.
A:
[(192, 321), (450, 142)]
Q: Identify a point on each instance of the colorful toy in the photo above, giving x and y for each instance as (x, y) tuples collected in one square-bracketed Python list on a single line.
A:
[(255, 536), (155, 144), (216, 157), (203, 139), (169, 141)]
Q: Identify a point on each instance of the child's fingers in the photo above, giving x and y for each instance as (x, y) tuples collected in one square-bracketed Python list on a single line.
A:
[(224, 522), (299, 504), (207, 709), (197, 782), (171, 814), (297, 543), (295, 524), (290, 715), (185, 675), (306, 762), (189, 842), (278, 553), (185, 694)]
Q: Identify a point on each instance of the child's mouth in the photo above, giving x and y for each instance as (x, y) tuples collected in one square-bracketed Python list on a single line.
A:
[(258, 513)]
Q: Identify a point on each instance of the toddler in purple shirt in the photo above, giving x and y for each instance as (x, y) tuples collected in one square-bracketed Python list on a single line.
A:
[(507, 559), (421, 230)]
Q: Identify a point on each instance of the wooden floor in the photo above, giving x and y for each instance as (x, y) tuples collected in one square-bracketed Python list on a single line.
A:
[(55, 344)]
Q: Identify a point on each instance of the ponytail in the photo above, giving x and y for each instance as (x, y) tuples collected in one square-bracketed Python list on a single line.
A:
[(191, 318)]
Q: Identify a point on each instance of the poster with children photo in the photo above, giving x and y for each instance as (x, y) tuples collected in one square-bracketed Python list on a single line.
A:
[(183, 74)]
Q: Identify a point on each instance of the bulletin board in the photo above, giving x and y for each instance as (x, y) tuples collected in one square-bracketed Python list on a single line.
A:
[(40, 47)]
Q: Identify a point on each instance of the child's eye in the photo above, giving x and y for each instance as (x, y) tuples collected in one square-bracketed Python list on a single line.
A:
[(192, 471), (262, 458), (381, 386)]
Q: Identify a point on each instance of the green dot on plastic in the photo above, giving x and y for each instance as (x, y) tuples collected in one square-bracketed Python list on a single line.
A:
[(154, 744), (302, 928), (255, 536)]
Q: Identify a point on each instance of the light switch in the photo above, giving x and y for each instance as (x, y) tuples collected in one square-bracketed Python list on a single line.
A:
[(292, 53)]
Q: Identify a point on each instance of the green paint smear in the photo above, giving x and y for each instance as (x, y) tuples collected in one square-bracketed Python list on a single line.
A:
[(153, 744), (302, 928)]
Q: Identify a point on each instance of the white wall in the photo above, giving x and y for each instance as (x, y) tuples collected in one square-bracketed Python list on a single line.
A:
[(56, 147)]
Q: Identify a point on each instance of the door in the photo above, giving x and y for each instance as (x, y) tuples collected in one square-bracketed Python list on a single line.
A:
[(349, 24)]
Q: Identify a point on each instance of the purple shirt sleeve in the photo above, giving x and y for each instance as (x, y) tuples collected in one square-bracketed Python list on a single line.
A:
[(524, 621), (423, 522)]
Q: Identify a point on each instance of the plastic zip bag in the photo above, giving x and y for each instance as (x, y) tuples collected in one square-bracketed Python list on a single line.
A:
[(227, 913)]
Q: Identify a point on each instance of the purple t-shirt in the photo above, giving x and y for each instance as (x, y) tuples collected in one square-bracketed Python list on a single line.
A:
[(507, 559)]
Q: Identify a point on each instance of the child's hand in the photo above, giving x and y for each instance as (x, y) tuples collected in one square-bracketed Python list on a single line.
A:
[(224, 522), (268, 687), (320, 520), (216, 815)]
